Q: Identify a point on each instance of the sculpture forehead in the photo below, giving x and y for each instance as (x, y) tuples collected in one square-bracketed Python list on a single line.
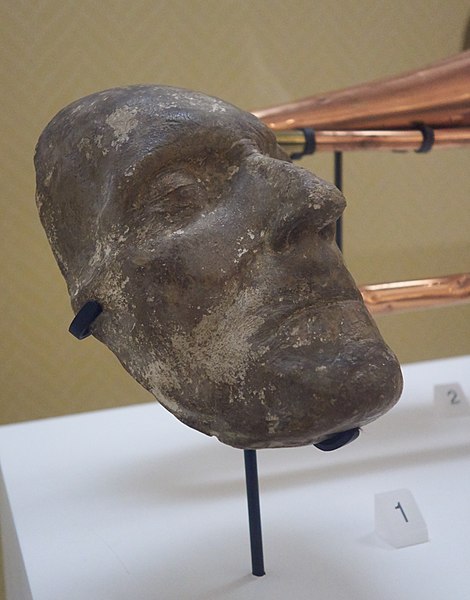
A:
[(136, 119)]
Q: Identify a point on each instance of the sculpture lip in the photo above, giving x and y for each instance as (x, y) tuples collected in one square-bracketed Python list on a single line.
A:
[(316, 307), (296, 325)]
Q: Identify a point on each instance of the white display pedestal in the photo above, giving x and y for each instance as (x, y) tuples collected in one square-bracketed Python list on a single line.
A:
[(129, 504)]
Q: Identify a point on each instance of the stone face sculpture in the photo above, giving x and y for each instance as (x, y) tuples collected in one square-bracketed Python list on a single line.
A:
[(214, 260)]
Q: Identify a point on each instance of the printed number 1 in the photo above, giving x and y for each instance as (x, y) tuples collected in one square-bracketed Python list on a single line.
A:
[(400, 507)]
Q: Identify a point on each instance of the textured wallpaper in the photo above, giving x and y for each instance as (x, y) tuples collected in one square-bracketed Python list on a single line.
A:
[(408, 215)]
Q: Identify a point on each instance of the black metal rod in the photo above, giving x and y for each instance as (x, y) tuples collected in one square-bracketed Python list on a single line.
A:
[(254, 513), (339, 185)]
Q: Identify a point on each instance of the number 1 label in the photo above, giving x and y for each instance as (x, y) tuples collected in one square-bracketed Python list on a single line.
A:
[(398, 519)]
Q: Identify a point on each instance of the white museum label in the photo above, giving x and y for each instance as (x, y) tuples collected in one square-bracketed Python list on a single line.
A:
[(398, 519), (450, 401)]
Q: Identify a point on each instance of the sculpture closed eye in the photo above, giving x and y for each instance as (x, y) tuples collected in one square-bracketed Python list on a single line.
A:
[(182, 191), (222, 290), (175, 197)]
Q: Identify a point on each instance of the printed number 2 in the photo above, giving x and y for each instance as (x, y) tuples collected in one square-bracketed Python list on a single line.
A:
[(400, 508), (454, 397)]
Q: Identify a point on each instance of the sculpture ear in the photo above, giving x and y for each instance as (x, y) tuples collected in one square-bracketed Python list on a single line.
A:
[(80, 326)]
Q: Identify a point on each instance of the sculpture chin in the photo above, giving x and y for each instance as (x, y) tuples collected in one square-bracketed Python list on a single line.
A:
[(301, 392), (298, 407)]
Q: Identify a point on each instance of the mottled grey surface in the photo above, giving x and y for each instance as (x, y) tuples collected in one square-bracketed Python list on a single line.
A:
[(214, 259)]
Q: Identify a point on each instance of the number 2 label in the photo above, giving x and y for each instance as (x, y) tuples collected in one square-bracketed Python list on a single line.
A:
[(450, 401)]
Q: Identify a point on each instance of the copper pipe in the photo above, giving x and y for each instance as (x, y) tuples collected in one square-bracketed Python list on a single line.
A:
[(293, 141), (402, 296), (438, 95)]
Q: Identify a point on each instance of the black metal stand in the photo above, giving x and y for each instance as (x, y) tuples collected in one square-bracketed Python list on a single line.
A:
[(254, 513)]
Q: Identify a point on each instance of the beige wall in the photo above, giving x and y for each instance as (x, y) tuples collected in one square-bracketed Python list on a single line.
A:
[(408, 215)]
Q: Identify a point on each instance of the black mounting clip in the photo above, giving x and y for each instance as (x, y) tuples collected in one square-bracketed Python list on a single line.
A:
[(310, 144), (80, 326), (338, 440)]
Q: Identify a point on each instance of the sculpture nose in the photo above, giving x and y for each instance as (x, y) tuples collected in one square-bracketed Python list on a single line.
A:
[(305, 202)]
